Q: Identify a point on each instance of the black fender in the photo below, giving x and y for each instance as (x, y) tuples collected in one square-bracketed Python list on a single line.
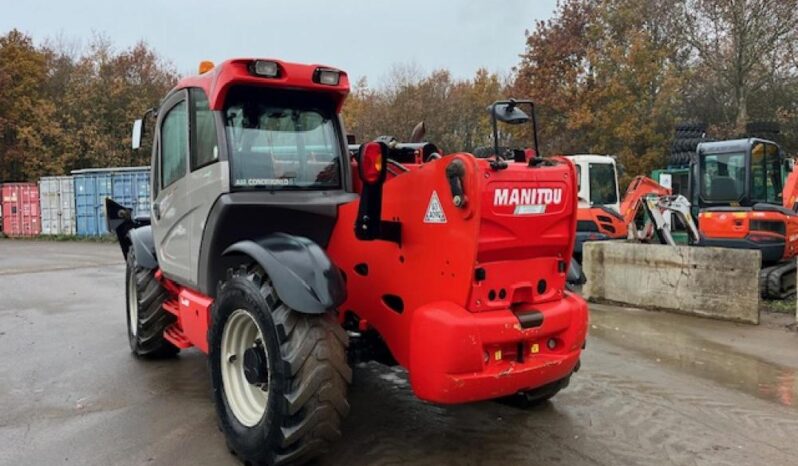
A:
[(302, 274), (131, 232), (575, 274), (143, 244)]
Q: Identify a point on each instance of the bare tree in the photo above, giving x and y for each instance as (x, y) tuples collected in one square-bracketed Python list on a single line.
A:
[(745, 43)]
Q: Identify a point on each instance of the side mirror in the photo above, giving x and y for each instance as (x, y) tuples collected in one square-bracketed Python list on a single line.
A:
[(371, 168), (419, 131), (137, 129), (509, 113)]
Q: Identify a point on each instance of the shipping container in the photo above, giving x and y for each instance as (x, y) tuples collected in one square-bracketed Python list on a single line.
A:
[(20, 203), (129, 186), (57, 205)]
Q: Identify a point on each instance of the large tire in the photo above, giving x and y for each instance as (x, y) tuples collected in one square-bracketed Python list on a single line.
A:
[(146, 317), (299, 368), (538, 396)]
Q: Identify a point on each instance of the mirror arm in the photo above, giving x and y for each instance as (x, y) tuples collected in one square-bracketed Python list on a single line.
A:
[(495, 133), (535, 130)]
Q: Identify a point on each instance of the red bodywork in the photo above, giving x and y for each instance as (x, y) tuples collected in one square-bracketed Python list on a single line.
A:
[(484, 312), (297, 76)]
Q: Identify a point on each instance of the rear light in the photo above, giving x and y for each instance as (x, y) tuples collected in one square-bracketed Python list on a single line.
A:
[(371, 163), (266, 69), (327, 76)]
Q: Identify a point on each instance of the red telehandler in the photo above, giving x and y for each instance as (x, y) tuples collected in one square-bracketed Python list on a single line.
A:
[(285, 260)]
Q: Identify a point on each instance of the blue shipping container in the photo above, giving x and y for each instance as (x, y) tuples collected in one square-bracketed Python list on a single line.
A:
[(129, 186)]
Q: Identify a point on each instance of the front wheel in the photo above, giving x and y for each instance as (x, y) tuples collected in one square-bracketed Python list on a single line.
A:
[(279, 377), (146, 317)]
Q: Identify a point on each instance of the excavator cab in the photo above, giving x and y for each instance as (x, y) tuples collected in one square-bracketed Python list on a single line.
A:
[(746, 191), (742, 172)]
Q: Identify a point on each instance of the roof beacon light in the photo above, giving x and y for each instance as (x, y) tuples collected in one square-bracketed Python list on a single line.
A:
[(327, 76), (205, 66), (267, 69)]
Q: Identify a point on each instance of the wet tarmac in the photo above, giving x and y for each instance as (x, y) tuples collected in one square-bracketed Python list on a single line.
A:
[(654, 388)]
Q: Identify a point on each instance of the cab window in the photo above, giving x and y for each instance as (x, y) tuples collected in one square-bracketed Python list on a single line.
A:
[(603, 189), (174, 144), (282, 140), (765, 173), (204, 145)]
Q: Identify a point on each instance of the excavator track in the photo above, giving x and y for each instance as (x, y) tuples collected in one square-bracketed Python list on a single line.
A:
[(778, 281)]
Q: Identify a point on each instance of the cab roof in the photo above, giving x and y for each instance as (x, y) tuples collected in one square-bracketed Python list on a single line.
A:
[(296, 76), (592, 158), (732, 145)]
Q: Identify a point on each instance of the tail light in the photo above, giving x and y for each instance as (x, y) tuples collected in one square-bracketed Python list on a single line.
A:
[(371, 163)]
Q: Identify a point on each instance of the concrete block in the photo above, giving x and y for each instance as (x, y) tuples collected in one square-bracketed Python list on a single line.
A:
[(710, 282)]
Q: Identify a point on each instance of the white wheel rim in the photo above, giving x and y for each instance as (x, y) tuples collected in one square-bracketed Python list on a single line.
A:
[(132, 304), (247, 401)]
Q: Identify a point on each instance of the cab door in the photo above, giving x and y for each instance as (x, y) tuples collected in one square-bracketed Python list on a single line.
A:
[(208, 175), (170, 207)]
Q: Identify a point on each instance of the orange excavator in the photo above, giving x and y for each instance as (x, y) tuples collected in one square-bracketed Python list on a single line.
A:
[(747, 193), (601, 216)]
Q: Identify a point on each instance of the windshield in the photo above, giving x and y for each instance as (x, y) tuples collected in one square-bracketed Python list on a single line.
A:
[(765, 173), (282, 140), (722, 176), (603, 190)]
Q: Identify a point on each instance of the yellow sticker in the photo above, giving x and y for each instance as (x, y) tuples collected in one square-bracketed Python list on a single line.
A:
[(535, 348), (705, 214), (498, 355), (739, 214)]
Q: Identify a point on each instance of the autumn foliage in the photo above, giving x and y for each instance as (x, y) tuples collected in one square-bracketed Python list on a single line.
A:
[(60, 110)]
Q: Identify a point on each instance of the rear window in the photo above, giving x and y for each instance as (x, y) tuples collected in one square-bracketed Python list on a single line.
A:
[(282, 139)]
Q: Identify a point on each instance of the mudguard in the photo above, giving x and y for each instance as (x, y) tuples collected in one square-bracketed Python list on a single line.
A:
[(575, 274), (131, 232), (303, 276)]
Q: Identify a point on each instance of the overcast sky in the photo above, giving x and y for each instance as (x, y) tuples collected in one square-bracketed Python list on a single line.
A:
[(365, 38)]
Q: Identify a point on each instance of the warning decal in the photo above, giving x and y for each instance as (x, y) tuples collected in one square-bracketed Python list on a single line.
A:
[(434, 210)]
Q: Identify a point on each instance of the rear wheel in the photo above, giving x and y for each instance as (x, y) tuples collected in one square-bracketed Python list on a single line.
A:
[(538, 396), (146, 317), (279, 377)]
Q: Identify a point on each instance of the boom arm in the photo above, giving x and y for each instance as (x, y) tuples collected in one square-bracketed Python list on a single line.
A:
[(638, 189)]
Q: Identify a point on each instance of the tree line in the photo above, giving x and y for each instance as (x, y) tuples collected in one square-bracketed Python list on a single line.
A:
[(64, 107), (607, 77)]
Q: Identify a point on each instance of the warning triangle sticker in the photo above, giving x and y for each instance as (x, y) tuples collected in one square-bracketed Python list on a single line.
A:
[(434, 210)]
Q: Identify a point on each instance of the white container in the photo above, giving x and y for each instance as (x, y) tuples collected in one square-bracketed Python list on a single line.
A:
[(57, 194)]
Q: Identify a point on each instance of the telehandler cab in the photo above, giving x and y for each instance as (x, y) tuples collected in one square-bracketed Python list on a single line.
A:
[(284, 259)]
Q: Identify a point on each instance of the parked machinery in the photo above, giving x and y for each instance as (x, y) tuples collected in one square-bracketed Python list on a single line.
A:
[(272, 250), (603, 215), (747, 193)]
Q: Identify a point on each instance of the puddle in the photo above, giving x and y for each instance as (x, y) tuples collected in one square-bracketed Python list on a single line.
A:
[(669, 340)]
